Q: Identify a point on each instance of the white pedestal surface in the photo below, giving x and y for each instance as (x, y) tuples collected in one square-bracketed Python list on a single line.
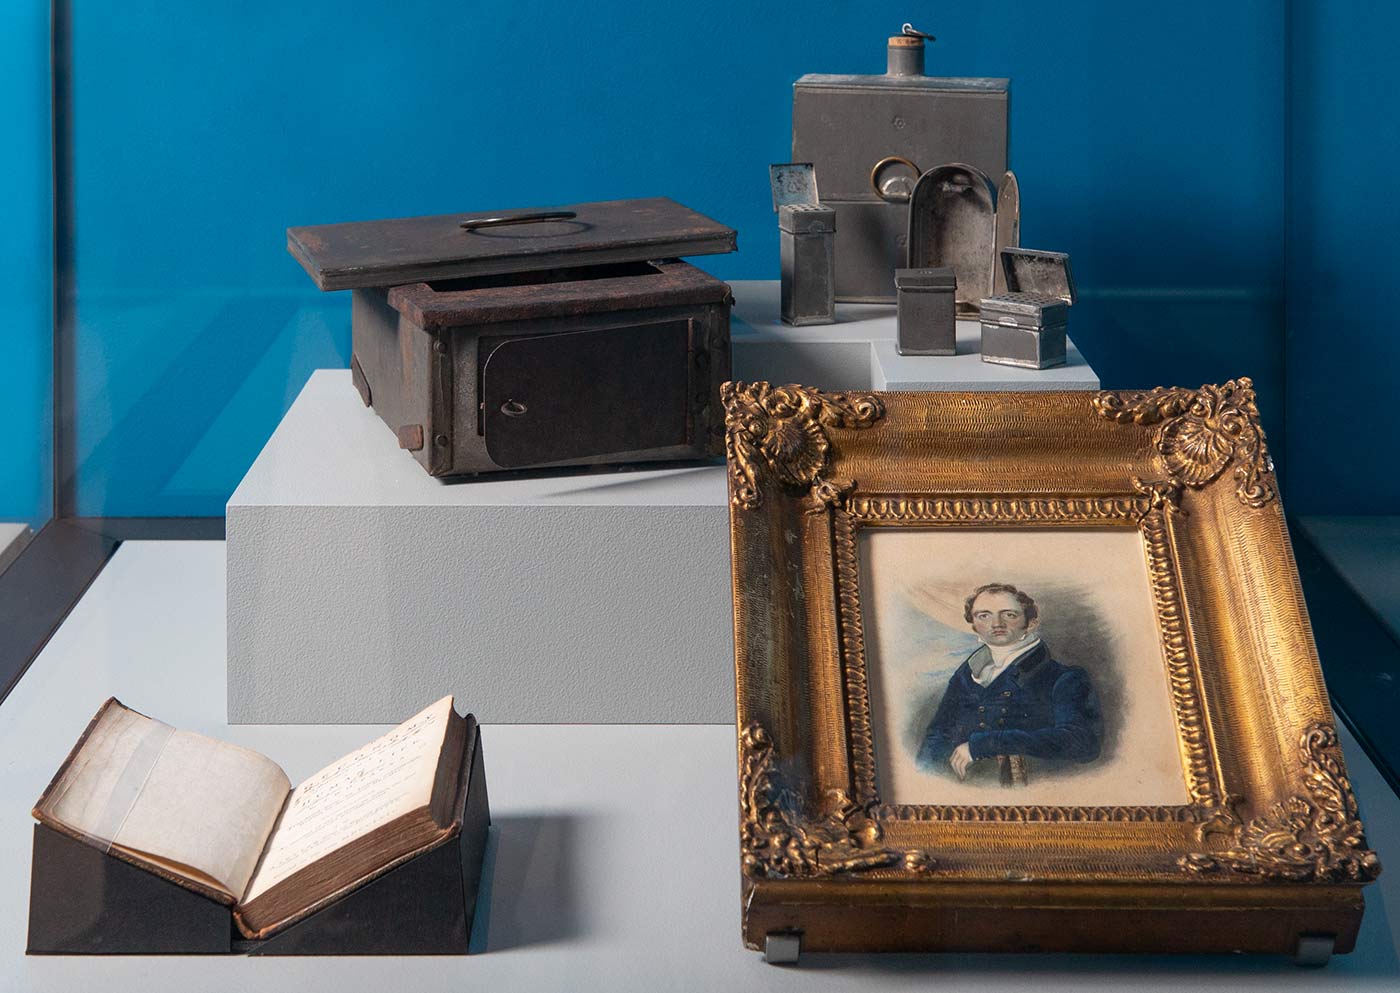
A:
[(13, 538), (357, 583), (858, 352), (614, 862)]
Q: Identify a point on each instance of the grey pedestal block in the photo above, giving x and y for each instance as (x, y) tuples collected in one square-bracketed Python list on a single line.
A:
[(359, 586), (356, 583)]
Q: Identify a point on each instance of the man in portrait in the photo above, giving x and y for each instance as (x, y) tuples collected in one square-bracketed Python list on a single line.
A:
[(1010, 699)]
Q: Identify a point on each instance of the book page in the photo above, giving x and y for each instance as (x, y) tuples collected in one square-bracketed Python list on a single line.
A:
[(180, 797), (391, 776)]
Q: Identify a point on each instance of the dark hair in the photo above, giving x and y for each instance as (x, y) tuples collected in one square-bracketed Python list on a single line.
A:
[(1026, 601)]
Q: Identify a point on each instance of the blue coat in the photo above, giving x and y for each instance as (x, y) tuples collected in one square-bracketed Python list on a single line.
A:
[(1036, 707)]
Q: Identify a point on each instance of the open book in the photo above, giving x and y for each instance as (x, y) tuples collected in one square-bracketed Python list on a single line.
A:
[(226, 822)]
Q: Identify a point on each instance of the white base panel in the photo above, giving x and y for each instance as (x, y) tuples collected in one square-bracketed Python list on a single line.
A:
[(858, 352), (615, 864), (13, 538), (355, 580)]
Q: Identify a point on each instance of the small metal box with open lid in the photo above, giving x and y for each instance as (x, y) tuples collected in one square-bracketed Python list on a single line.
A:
[(1026, 326), (522, 339)]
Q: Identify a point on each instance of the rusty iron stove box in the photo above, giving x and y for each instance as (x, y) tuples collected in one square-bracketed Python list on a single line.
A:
[(523, 339)]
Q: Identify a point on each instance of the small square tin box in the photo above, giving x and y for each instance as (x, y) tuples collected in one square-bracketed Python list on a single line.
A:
[(927, 316), (1026, 326)]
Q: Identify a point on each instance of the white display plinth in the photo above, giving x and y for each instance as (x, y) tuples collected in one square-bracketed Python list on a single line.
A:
[(13, 538), (614, 863), (858, 352), (355, 580)]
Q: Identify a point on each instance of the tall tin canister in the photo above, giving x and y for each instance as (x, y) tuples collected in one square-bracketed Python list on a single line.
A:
[(871, 137)]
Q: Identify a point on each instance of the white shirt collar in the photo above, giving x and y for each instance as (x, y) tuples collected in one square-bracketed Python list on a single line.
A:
[(1003, 656)]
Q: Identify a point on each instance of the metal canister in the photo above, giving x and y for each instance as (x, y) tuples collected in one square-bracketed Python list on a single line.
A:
[(872, 136), (807, 249), (928, 323)]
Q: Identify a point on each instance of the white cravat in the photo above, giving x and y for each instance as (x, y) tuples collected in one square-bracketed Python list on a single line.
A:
[(1002, 657)]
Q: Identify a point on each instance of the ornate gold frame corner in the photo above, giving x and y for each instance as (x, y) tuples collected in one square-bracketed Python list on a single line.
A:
[(1269, 841)]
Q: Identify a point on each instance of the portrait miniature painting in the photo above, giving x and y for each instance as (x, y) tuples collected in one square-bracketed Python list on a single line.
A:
[(1016, 667)]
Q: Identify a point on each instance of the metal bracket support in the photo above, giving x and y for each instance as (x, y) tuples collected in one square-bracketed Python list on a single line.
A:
[(782, 947), (1314, 950)]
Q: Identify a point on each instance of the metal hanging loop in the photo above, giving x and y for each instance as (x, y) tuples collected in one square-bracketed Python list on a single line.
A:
[(895, 189)]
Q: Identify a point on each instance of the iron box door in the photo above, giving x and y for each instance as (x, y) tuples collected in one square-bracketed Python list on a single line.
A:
[(560, 397)]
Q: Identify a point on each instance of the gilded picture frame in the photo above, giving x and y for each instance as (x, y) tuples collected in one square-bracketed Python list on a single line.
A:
[(1263, 852)]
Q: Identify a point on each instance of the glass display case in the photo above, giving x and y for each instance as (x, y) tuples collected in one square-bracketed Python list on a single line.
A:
[(26, 345), (207, 512), (26, 268)]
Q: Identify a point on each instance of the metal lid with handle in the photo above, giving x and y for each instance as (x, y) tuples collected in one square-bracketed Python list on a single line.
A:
[(450, 246)]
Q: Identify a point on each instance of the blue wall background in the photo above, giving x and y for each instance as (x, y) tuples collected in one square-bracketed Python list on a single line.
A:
[(26, 265), (1343, 235), (1149, 144)]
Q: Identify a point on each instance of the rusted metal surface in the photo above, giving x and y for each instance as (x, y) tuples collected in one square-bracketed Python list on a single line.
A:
[(615, 379), (572, 395), (408, 250), (357, 376), (526, 341), (502, 220), (572, 292)]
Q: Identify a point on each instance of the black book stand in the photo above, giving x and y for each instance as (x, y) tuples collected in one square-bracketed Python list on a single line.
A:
[(85, 902)]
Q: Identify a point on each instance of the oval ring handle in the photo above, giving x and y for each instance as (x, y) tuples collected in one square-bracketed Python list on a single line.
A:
[(501, 220), (513, 408), (880, 166)]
